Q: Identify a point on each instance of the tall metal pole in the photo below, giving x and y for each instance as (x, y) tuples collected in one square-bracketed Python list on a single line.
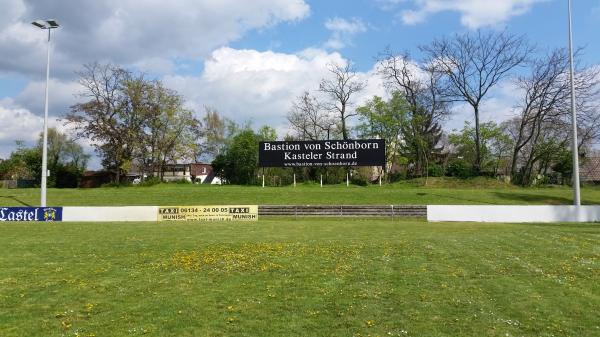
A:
[(576, 192), (45, 136)]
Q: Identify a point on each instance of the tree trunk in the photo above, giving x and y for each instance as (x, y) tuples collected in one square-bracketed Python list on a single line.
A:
[(118, 177), (477, 164), (343, 118), (519, 144)]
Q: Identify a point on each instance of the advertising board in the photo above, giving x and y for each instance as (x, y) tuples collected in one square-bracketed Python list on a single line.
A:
[(208, 213), (30, 213), (364, 152)]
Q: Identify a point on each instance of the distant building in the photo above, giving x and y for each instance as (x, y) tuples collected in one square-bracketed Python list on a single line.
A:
[(198, 173), (193, 172), (96, 178), (589, 171)]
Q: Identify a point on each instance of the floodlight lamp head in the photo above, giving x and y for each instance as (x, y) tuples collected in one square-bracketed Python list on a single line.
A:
[(52, 23), (46, 24), (39, 23)]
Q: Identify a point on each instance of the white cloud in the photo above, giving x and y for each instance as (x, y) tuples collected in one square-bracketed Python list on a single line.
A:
[(61, 96), (261, 86), (389, 4), (473, 13), (342, 31), (351, 26), (127, 32), (19, 123), (150, 37), (244, 85), (155, 65)]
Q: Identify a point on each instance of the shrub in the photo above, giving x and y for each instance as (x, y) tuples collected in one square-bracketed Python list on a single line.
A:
[(359, 180), (150, 181), (67, 176), (460, 169), (396, 176), (180, 181), (435, 170), (113, 184)]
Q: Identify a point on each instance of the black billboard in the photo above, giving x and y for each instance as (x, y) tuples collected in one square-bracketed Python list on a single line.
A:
[(365, 152)]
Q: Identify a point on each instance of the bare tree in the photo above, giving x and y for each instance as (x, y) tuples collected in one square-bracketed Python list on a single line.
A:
[(474, 63), (170, 131), (544, 116), (130, 118), (421, 86), (216, 131), (309, 120), (340, 90), (103, 117), (546, 92), (587, 91)]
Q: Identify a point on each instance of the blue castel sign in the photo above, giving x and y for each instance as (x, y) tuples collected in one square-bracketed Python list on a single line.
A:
[(31, 214)]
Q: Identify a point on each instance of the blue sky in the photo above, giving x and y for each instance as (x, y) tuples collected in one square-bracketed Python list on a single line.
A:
[(249, 60), (545, 24)]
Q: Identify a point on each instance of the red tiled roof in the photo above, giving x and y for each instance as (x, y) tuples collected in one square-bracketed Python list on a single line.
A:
[(590, 169)]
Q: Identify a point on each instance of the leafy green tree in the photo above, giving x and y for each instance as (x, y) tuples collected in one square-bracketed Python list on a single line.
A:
[(546, 156), (238, 162), (23, 163), (267, 133), (495, 146), (421, 136), (66, 161), (421, 86), (130, 118), (65, 157), (384, 120), (168, 131), (106, 116), (215, 133), (563, 164)]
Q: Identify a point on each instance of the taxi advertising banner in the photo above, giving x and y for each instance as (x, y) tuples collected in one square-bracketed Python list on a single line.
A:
[(208, 213)]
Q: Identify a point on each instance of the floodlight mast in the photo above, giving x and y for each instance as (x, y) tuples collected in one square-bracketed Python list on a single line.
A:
[(576, 192), (48, 24)]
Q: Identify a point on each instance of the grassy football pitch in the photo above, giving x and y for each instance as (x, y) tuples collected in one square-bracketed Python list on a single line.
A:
[(299, 277), (476, 192)]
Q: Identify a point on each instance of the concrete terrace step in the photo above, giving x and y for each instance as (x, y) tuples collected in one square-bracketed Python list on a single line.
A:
[(344, 210)]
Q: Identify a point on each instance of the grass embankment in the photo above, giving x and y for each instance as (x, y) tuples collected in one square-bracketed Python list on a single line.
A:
[(437, 191), (316, 277)]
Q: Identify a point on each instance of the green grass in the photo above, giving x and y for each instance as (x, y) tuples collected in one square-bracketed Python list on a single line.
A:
[(286, 277), (410, 193)]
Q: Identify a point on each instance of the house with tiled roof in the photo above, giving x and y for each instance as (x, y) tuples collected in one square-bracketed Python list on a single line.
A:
[(590, 169)]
